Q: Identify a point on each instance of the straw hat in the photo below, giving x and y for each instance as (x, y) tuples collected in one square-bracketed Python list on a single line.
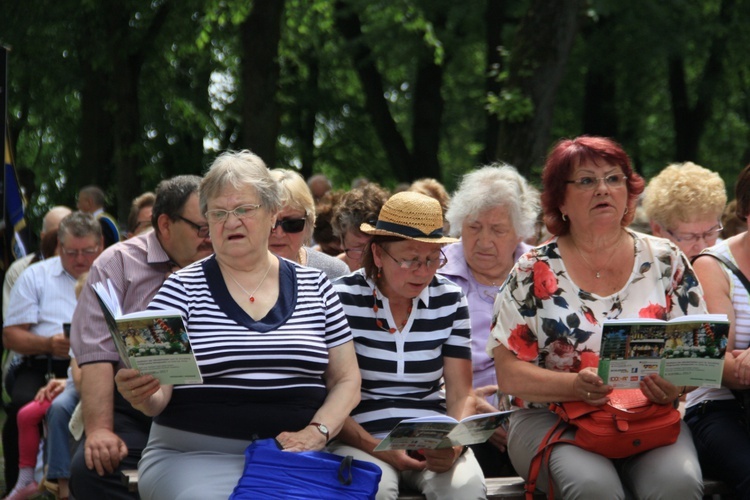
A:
[(412, 216)]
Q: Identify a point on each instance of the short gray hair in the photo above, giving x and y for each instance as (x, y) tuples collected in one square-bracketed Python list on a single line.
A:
[(79, 225), (240, 169), (493, 186)]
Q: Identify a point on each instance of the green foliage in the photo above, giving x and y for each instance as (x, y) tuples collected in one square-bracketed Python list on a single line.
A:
[(188, 95)]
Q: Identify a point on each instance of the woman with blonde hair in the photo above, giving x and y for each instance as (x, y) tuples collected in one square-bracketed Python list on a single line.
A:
[(684, 204), (294, 226)]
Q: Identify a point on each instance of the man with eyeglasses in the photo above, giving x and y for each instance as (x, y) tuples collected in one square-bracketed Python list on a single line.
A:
[(684, 203), (116, 433), (41, 301)]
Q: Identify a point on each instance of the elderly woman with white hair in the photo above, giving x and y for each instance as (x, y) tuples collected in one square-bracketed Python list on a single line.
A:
[(493, 211)]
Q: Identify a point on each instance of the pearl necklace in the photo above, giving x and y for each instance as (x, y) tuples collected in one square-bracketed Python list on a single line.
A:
[(252, 295)]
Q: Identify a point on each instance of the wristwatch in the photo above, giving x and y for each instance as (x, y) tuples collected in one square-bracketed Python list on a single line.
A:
[(321, 428)]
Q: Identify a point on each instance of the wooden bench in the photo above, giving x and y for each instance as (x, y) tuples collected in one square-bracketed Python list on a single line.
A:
[(498, 488)]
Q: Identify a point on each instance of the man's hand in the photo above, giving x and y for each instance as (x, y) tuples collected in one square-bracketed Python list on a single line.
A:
[(104, 451), (59, 346)]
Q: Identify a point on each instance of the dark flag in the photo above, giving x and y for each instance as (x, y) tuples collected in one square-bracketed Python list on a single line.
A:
[(14, 220), (14, 206)]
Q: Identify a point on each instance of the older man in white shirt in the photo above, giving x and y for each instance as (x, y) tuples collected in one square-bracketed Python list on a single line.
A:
[(41, 301)]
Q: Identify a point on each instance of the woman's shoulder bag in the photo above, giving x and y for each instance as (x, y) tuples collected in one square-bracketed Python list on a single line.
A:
[(627, 425)]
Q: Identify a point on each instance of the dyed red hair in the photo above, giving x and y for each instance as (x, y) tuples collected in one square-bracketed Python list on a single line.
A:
[(564, 157)]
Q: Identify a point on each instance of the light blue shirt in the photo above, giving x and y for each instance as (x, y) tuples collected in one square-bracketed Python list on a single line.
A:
[(44, 297)]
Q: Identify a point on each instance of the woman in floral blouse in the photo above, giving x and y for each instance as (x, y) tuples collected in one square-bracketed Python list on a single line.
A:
[(546, 331)]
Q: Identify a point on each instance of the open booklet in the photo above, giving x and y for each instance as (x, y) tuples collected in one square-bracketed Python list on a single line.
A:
[(153, 342), (442, 431), (687, 351)]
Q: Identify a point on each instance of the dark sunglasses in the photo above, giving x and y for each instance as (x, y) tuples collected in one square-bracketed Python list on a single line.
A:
[(291, 225)]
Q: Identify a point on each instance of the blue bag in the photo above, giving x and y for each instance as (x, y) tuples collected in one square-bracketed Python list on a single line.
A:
[(273, 473)]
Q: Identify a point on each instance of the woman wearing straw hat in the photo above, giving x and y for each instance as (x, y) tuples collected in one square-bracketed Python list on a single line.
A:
[(411, 331)]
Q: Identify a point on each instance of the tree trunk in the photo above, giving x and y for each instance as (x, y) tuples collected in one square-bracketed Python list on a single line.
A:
[(399, 157), (260, 36), (428, 106), (494, 19), (690, 121), (539, 56)]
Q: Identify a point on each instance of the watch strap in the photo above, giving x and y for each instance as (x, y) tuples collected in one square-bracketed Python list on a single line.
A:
[(320, 428)]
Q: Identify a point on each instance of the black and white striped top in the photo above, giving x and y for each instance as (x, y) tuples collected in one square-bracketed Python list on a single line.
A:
[(259, 377), (402, 371)]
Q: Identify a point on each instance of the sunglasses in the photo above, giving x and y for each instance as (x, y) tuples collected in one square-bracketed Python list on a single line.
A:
[(291, 225)]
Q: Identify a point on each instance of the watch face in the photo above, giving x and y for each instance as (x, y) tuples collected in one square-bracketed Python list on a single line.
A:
[(323, 429)]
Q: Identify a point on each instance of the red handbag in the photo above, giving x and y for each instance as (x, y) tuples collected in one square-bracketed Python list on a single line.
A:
[(627, 425)]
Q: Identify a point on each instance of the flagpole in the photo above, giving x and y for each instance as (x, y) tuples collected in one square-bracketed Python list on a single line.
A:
[(4, 226)]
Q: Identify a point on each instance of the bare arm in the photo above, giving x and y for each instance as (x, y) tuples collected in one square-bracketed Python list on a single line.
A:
[(532, 383), (343, 382), (355, 435), (76, 373), (143, 392), (716, 290), (459, 398), (20, 339), (104, 449)]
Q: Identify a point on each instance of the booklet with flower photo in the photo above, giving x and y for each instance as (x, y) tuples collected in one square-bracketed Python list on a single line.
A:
[(442, 431), (153, 342), (687, 351)]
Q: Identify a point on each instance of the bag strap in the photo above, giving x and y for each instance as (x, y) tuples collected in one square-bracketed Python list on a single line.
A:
[(729, 265), (345, 470), (541, 458)]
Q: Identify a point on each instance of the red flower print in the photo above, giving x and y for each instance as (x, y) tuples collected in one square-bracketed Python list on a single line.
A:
[(523, 343), (589, 314), (668, 296), (562, 357), (656, 311), (589, 358), (677, 277), (545, 281)]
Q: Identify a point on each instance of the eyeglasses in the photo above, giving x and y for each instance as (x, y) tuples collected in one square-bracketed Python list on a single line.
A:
[(290, 225), (86, 252), (241, 212), (709, 236), (354, 253), (415, 264), (588, 183), (201, 230)]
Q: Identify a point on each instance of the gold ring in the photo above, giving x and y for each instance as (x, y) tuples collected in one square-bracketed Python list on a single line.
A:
[(588, 395)]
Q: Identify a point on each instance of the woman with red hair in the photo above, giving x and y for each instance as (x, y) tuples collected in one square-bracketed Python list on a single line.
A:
[(547, 323)]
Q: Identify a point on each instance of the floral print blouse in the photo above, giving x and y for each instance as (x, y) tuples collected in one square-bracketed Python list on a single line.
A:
[(544, 318)]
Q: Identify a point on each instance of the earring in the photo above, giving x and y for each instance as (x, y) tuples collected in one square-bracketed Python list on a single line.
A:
[(380, 274), (564, 217), (626, 211)]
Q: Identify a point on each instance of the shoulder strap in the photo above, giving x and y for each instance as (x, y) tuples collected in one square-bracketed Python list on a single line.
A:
[(729, 265), (541, 459)]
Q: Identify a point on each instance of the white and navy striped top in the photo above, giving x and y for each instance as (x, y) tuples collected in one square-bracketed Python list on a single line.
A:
[(402, 371), (741, 305), (259, 377)]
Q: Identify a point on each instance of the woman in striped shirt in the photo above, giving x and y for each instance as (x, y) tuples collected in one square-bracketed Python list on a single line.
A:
[(411, 332), (270, 338)]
